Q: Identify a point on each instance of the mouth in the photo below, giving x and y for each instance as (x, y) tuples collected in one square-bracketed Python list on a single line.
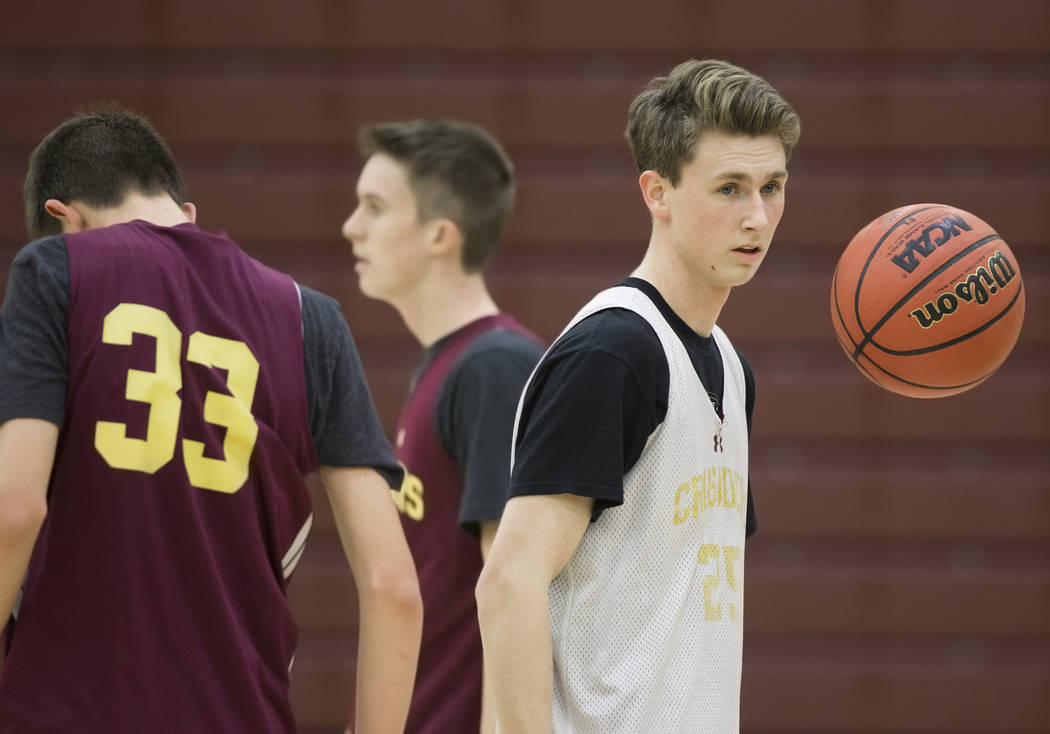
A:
[(749, 253)]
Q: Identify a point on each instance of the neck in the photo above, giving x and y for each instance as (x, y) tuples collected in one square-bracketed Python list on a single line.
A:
[(160, 210), (440, 306), (697, 303)]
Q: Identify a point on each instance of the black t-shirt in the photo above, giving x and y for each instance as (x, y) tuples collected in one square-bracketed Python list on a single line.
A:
[(599, 394), (474, 416), (34, 362)]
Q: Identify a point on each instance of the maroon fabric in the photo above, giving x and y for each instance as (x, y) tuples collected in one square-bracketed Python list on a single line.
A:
[(151, 604), (447, 695)]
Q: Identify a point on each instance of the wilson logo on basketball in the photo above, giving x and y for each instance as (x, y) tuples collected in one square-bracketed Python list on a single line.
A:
[(908, 259), (978, 287)]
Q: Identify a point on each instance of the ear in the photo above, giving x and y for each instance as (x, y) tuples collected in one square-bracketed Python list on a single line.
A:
[(71, 218), (654, 192), (190, 210), (445, 237)]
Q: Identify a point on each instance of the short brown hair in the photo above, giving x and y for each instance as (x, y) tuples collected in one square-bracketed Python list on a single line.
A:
[(665, 121), (456, 170), (98, 157)]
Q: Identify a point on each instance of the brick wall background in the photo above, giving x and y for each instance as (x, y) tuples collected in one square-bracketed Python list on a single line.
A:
[(901, 578)]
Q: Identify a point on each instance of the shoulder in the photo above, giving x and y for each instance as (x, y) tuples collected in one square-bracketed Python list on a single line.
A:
[(45, 253), (41, 270), (745, 365), (500, 347), (320, 312), (615, 332), (748, 372), (318, 303), (614, 352), (749, 382), (326, 335), (491, 369)]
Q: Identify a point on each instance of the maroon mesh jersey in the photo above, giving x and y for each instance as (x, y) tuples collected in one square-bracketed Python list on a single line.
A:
[(447, 694), (155, 596)]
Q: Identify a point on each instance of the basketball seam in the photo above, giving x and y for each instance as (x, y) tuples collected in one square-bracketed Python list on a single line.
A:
[(964, 385), (838, 312), (915, 289), (956, 340), (867, 263)]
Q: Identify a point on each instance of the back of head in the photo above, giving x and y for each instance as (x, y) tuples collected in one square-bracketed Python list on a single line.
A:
[(97, 157), (665, 121), (456, 170)]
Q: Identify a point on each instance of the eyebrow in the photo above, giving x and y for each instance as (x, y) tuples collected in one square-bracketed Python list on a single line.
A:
[(738, 176)]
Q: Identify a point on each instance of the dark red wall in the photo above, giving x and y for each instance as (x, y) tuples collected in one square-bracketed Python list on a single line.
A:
[(901, 579)]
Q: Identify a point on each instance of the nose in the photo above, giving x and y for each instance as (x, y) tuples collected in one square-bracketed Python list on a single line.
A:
[(755, 216), (351, 231)]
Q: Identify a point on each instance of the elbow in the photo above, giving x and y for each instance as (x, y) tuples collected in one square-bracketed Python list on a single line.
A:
[(396, 591), (491, 593), (22, 517)]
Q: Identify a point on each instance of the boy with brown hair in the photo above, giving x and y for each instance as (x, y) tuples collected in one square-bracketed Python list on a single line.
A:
[(162, 397), (612, 598), (433, 199)]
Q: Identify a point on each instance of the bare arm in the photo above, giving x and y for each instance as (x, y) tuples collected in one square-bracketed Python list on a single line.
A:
[(537, 536), (27, 453), (486, 535), (391, 610)]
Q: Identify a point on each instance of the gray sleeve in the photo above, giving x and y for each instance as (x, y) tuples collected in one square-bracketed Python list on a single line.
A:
[(34, 351), (343, 419), (475, 418)]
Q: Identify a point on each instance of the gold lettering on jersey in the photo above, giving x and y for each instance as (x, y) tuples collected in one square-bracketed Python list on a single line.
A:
[(722, 562), (716, 486), (409, 499)]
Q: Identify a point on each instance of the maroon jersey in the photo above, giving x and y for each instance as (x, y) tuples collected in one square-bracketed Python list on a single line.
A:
[(155, 597), (447, 694)]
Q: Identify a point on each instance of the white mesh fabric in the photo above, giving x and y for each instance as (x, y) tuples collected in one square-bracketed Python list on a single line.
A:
[(646, 617)]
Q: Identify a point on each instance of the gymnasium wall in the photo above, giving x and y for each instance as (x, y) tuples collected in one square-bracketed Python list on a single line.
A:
[(901, 578)]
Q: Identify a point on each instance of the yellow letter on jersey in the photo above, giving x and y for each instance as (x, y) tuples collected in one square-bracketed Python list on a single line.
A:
[(409, 499)]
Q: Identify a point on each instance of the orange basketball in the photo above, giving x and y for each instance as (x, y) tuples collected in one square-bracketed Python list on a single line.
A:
[(927, 300)]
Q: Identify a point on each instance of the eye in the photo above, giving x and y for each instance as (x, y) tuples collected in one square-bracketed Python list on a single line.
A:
[(727, 189), (771, 188)]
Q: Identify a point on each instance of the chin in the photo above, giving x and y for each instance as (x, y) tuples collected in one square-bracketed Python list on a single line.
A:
[(745, 277), (365, 287), (375, 291)]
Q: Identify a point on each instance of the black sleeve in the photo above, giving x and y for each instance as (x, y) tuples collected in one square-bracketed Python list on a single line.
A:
[(34, 351), (343, 419), (591, 408), (475, 418), (751, 522)]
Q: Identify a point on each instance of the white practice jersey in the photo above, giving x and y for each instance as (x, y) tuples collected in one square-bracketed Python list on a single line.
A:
[(647, 616)]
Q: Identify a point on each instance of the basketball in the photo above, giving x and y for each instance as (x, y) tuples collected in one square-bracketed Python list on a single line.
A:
[(927, 300)]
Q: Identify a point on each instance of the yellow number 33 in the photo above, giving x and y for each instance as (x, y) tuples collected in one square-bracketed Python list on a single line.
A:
[(160, 389)]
